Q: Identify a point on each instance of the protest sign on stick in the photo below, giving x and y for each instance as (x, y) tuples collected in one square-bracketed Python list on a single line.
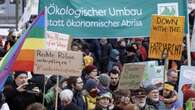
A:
[(68, 63), (131, 76)]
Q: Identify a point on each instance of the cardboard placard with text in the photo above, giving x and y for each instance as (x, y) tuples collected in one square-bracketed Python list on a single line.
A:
[(166, 34), (131, 76), (58, 41), (67, 63)]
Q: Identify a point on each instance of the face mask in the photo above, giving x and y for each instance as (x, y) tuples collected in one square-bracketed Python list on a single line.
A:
[(93, 93)]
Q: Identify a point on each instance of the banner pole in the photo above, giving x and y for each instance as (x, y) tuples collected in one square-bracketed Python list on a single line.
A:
[(164, 57), (44, 90), (188, 39), (57, 85), (45, 28)]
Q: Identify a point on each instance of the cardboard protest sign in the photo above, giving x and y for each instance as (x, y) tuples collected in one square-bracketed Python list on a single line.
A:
[(68, 63), (57, 41), (131, 76), (166, 34), (186, 82)]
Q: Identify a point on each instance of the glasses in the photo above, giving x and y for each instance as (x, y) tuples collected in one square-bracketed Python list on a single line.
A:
[(114, 78)]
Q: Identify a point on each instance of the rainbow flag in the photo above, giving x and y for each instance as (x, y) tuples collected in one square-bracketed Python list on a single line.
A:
[(9, 59), (34, 40)]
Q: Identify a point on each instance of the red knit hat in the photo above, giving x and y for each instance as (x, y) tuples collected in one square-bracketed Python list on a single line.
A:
[(88, 69)]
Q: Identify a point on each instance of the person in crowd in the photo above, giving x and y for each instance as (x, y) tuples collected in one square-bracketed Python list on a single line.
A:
[(104, 101), (36, 106), (117, 67), (66, 97), (105, 49), (3, 104), (122, 50), (139, 98), (122, 100), (21, 93), (172, 77), (75, 84), (88, 57), (50, 94), (141, 49), (130, 55), (89, 72), (153, 96), (5, 48), (91, 95), (75, 47), (169, 98), (114, 80), (113, 59), (103, 82)]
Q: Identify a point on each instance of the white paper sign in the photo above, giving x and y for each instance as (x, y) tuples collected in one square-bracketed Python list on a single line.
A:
[(57, 41)]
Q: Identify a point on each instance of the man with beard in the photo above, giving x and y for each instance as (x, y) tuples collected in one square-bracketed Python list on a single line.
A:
[(153, 97), (114, 80), (139, 98), (75, 84)]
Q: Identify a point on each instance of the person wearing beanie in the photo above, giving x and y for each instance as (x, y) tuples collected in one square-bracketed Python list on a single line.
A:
[(66, 97), (89, 72), (90, 98), (90, 84), (104, 82), (19, 94), (104, 101), (153, 97)]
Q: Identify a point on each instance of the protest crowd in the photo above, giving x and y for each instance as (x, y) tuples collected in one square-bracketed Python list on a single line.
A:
[(97, 86)]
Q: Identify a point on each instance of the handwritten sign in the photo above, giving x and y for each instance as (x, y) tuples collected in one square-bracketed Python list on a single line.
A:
[(131, 76), (166, 34), (68, 63), (57, 41)]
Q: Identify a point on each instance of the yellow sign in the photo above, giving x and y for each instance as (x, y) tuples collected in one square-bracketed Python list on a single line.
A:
[(166, 34)]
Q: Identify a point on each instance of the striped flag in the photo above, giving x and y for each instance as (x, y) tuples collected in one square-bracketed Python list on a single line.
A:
[(35, 40), (9, 59)]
